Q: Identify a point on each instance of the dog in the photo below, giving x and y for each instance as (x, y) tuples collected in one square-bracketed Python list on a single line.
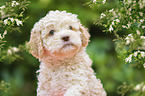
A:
[(59, 41)]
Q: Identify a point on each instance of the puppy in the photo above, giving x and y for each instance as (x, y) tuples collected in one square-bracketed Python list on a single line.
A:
[(59, 42)]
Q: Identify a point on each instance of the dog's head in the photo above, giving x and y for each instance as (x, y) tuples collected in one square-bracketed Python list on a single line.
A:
[(58, 34)]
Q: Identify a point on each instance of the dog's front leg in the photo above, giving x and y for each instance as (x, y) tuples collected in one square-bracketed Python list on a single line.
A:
[(75, 90)]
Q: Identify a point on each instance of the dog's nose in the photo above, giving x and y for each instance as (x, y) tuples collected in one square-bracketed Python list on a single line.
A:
[(65, 38)]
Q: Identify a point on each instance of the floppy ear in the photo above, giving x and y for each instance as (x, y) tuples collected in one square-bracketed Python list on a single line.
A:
[(35, 43), (85, 35)]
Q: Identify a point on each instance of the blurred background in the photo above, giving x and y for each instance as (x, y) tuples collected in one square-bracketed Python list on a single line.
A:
[(21, 74)]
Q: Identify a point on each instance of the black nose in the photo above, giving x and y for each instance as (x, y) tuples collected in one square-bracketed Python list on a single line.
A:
[(65, 38)]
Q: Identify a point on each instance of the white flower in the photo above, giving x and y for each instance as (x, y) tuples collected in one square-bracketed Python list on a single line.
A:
[(141, 4), (129, 39), (143, 88), (144, 65), (129, 25), (140, 13), (137, 87), (127, 42), (9, 52), (12, 19), (104, 1), (102, 15), (18, 22), (113, 23), (142, 37), (129, 59), (3, 7), (12, 50), (129, 2), (143, 27), (123, 26), (111, 10), (142, 54), (94, 1), (142, 20), (15, 49), (14, 3), (135, 54), (3, 36), (117, 20), (6, 21), (132, 39), (2, 13), (5, 32), (140, 87), (111, 28), (137, 31)]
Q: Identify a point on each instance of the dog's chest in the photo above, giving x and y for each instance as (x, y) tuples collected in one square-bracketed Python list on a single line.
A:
[(63, 76)]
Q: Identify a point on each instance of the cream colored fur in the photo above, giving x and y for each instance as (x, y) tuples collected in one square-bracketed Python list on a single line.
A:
[(65, 68)]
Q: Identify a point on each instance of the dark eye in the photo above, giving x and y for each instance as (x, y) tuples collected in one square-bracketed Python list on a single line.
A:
[(51, 32), (70, 27)]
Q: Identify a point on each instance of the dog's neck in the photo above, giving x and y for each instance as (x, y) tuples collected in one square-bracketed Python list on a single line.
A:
[(78, 57)]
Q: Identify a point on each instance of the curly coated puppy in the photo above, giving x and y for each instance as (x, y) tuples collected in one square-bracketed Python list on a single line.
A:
[(59, 42)]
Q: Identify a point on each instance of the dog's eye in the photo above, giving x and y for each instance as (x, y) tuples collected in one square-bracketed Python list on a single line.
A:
[(70, 27), (51, 32)]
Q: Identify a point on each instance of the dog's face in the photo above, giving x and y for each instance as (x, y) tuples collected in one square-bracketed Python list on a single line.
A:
[(63, 38), (59, 35)]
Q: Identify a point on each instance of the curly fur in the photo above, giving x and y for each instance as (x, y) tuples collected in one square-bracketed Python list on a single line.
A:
[(65, 68)]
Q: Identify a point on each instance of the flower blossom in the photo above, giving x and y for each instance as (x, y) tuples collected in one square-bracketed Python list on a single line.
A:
[(3, 7), (128, 26), (129, 59), (12, 50), (142, 54), (3, 36), (143, 27), (12, 19), (15, 49), (135, 54), (9, 52), (111, 28), (116, 20), (102, 15), (140, 87), (138, 32), (14, 3), (142, 37), (129, 39), (18, 22), (6, 21), (94, 1), (104, 1), (111, 10), (141, 4)]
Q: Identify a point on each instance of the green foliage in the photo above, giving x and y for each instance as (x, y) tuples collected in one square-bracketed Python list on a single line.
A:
[(124, 88), (127, 16), (4, 86), (10, 20), (126, 21)]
